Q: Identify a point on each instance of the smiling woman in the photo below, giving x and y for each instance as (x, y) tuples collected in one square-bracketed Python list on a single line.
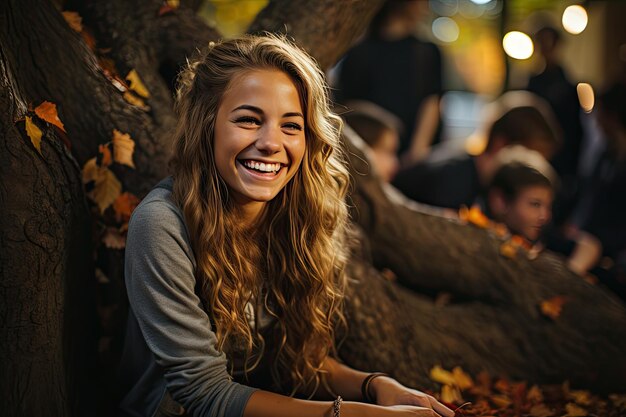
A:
[(259, 137), (234, 265)]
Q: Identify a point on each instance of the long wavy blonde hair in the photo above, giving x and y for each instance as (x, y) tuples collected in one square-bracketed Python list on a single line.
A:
[(292, 262)]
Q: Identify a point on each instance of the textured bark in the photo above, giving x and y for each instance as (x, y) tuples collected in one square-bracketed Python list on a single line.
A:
[(493, 321), (325, 28), (47, 303), (47, 343)]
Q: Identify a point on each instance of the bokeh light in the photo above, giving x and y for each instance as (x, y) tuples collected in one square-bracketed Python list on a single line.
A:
[(481, 1), (586, 96), (575, 19), (518, 45), (445, 29)]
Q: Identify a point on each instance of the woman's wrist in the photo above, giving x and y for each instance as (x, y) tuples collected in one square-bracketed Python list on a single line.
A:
[(377, 383)]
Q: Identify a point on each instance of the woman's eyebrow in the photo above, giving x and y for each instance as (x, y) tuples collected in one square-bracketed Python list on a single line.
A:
[(293, 114), (260, 112), (248, 107)]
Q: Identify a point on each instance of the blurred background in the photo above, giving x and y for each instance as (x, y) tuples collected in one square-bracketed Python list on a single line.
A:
[(478, 64)]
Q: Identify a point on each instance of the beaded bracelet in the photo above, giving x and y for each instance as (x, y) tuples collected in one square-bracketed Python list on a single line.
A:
[(337, 406), (365, 387)]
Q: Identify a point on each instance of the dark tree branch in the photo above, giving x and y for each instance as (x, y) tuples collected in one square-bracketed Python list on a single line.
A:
[(325, 28)]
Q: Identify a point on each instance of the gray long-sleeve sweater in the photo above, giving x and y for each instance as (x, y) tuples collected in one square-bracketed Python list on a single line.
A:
[(169, 350)]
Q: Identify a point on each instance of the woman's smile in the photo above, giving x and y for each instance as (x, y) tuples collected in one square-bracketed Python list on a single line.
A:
[(259, 137)]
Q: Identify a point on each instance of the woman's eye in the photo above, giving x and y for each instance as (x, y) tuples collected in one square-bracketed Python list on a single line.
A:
[(247, 120), (292, 126)]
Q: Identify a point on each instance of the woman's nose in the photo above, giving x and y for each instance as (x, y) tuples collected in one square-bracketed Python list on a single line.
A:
[(269, 140)]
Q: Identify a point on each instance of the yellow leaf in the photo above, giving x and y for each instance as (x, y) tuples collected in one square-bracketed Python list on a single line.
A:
[(534, 395), (106, 189), (90, 171), (113, 239), (540, 410), (136, 84), (74, 20), (123, 148), (575, 411), (438, 374), (173, 3), (135, 101), (553, 306), (580, 397), (48, 111), (461, 379), (450, 395), (34, 133), (106, 155)]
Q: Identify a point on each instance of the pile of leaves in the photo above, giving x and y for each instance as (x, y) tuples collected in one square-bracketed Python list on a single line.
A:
[(486, 396)]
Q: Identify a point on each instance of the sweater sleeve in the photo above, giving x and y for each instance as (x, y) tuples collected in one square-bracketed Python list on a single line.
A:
[(160, 280)]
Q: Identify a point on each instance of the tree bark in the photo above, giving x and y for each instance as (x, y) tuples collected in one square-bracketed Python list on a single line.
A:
[(493, 321), (325, 28), (47, 308), (47, 272), (47, 318)]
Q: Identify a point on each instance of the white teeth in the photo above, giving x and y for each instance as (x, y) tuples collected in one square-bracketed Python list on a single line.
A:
[(261, 166)]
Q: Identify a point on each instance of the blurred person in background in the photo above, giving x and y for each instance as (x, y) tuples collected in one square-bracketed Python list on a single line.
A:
[(401, 73), (381, 132), (458, 178), (553, 85), (602, 208)]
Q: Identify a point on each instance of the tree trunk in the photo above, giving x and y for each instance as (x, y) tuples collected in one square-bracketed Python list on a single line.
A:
[(493, 321), (47, 304), (325, 28), (47, 248), (47, 314)]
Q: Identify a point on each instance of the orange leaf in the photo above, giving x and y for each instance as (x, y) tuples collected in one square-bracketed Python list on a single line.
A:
[(501, 401), (500, 230), (552, 307), (74, 20), (541, 410), (135, 101), (48, 111), (581, 397), (508, 250), (106, 188), (575, 411), (477, 218), (136, 84), (165, 9), (124, 205), (113, 239), (123, 148), (34, 133), (534, 395), (106, 155), (89, 39)]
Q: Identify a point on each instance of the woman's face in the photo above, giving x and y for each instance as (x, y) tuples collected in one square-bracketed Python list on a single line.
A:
[(259, 137)]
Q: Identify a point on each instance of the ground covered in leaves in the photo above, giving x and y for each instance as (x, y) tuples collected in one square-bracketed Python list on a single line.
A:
[(485, 396)]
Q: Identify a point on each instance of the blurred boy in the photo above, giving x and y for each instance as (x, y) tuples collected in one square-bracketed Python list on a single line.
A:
[(521, 198)]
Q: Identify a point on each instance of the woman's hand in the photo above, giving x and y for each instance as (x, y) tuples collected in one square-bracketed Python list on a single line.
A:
[(389, 392)]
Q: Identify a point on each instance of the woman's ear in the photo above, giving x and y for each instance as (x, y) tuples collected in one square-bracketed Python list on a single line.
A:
[(497, 203)]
